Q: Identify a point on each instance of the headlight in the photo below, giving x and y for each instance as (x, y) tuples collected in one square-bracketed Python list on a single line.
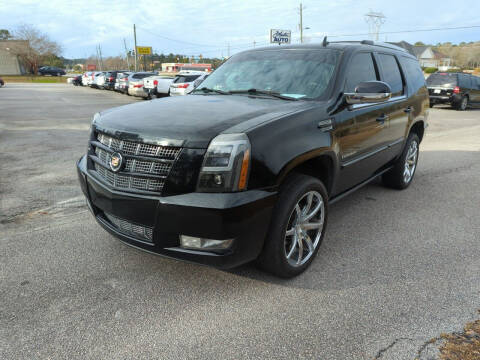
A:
[(95, 117), (226, 164)]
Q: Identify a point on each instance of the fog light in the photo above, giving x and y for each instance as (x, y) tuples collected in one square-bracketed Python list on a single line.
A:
[(190, 242)]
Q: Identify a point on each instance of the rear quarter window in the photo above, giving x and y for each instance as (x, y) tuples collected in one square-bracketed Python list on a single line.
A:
[(391, 73), (413, 73), (185, 79)]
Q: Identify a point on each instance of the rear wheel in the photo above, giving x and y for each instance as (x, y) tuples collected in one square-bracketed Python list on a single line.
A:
[(401, 175), (463, 104), (297, 227), (431, 104)]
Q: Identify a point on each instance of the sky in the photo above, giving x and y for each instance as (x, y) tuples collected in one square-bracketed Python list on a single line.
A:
[(217, 28)]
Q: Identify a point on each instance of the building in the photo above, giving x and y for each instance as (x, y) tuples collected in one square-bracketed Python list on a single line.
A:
[(176, 67), (10, 64), (427, 56)]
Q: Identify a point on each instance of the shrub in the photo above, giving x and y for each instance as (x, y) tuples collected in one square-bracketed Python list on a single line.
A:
[(430, 70)]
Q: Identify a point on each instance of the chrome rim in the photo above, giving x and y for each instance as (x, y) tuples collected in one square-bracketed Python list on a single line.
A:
[(410, 162), (464, 103), (304, 228)]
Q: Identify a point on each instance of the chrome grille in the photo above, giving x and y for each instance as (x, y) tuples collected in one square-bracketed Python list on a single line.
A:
[(139, 166), (162, 159), (139, 231), (129, 182), (133, 148)]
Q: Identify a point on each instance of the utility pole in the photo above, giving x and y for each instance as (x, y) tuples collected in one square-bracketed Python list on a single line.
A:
[(301, 23), (126, 53), (101, 59), (135, 39)]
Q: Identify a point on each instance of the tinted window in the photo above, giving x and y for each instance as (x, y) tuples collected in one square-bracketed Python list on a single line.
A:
[(413, 72), (442, 79), (186, 78), (391, 73), (465, 81), (296, 73), (361, 69), (141, 76)]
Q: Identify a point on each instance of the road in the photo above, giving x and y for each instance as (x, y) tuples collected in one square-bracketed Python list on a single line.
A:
[(396, 268)]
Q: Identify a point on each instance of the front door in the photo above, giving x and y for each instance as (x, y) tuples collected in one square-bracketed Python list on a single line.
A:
[(360, 129)]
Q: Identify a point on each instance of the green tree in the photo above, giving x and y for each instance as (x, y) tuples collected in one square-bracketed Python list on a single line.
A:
[(5, 34)]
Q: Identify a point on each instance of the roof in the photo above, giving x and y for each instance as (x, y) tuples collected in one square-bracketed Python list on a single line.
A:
[(404, 45), (419, 50), (340, 45)]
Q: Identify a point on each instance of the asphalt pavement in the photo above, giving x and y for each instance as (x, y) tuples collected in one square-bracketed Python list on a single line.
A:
[(396, 268)]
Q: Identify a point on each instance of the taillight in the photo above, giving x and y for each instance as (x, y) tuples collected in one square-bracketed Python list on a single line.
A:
[(183, 86), (110, 78), (125, 79), (138, 86), (456, 90), (155, 82)]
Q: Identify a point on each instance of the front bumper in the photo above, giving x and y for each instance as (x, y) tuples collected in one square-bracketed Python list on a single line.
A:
[(444, 99), (244, 217)]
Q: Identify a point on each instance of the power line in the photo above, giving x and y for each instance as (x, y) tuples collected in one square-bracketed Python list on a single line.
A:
[(405, 31)]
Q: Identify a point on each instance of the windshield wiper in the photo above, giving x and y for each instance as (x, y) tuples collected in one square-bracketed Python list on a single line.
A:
[(208, 90), (264, 92)]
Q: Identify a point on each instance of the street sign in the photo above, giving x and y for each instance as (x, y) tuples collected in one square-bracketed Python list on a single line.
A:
[(144, 50), (280, 36)]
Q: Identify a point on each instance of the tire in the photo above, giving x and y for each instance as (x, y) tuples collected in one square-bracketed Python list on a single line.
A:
[(463, 104), (59, 74), (397, 177), (431, 105), (280, 254)]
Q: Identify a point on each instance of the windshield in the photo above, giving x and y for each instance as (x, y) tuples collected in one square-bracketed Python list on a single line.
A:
[(293, 73), (442, 79)]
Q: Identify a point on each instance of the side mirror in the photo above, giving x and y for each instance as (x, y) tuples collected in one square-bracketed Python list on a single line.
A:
[(369, 92)]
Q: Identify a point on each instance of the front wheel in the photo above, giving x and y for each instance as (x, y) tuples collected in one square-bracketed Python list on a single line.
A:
[(297, 227), (401, 175)]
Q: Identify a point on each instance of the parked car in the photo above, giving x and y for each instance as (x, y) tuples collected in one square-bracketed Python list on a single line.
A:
[(97, 79), (86, 77), (457, 89), (121, 84), (186, 81), (110, 79), (135, 83), (2, 83), (77, 80), (51, 70), (157, 85), (246, 166)]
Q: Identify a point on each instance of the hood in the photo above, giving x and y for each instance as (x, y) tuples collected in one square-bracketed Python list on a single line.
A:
[(193, 120)]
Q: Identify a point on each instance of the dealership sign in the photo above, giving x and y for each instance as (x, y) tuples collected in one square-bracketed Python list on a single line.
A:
[(280, 36), (144, 50)]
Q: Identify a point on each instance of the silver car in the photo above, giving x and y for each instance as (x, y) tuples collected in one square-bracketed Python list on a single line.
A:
[(186, 81), (135, 83), (121, 84)]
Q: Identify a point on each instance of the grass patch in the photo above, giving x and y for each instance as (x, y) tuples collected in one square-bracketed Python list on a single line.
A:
[(462, 346), (34, 79)]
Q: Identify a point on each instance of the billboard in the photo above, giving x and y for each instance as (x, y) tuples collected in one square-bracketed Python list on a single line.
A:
[(280, 36), (91, 67), (144, 50)]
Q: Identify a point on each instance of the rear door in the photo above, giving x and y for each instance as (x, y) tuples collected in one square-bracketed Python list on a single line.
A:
[(476, 89), (398, 108)]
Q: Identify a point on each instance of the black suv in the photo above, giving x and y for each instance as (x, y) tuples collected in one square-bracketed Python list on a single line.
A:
[(457, 89), (110, 79), (50, 70), (246, 166)]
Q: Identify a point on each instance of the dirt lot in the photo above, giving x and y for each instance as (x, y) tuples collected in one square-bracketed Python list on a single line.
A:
[(396, 269)]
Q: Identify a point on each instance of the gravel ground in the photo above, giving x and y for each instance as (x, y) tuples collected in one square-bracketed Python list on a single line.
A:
[(396, 269)]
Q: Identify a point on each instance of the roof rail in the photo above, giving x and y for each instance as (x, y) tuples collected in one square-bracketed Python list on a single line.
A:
[(373, 43)]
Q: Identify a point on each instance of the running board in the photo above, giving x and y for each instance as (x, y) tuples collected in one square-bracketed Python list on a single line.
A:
[(356, 187)]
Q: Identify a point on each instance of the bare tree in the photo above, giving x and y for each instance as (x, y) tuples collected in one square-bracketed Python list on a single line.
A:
[(33, 46)]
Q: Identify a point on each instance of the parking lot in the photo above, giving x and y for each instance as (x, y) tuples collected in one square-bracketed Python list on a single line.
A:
[(396, 269)]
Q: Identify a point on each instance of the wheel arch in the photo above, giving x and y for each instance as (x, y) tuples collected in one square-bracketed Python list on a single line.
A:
[(319, 165), (418, 128)]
